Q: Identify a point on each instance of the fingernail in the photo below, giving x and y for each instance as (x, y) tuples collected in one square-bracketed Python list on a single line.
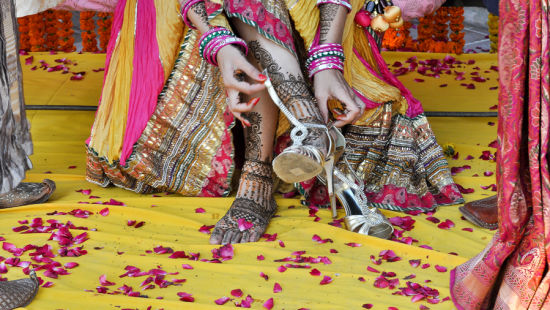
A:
[(242, 123), (254, 101), (262, 77), (340, 117), (247, 123), (336, 112)]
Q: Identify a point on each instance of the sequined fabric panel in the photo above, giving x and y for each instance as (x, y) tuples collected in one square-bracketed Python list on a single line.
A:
[(187, 131)]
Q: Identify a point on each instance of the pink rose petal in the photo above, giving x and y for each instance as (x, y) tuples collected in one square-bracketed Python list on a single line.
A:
[(237, 293), (369, 268), (104, 212), (186, 297), (199, 210), (414, 262), (268, 304), (263, 275), (187, 266), (205, 229), (326, 280), (367, 306), (222, 301), (468, 229), (244, 224), (353, 244), (440, 268), (70, 265), (315, 272), (103, 281), (281, 269), (277, 288)]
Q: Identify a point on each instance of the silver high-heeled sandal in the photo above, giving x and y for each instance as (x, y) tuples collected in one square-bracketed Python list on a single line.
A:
[(359, 217), (299, 162)]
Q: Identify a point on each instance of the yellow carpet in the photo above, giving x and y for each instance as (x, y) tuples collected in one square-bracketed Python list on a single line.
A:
[(171, 221)]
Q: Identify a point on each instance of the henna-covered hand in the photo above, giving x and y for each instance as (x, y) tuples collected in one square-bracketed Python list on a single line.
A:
[(233, 65), (330, 84)]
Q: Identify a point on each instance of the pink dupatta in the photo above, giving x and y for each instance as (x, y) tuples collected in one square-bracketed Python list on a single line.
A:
[(518, 256)]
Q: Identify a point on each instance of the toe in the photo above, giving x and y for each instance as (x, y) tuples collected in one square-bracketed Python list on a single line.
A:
[(227, 237), (217, 236), (245, 236), (254, 236), (236, 237)]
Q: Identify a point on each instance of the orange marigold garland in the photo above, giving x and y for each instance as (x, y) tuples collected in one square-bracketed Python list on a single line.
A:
[(24, 36), (87, 25), (104, 23), (456, 24), (51, 30), (441, 20), (37, 31), (394, 39), (65, 31)]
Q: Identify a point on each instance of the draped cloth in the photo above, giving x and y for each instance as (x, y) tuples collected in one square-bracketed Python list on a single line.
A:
[(186, 144), (512, 271), (15, 139)]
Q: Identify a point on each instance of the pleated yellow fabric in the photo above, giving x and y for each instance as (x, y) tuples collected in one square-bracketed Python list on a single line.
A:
[(108, 131), (172, 221), (355, 72)]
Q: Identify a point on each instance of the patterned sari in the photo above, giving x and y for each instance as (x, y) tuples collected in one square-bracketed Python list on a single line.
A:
[(183, 142), (15, 138), (512, 271)]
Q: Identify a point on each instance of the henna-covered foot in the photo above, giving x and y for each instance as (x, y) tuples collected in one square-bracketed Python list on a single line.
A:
[(253, 207)]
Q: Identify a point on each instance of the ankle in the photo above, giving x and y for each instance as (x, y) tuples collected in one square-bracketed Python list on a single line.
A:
[(256, 182)]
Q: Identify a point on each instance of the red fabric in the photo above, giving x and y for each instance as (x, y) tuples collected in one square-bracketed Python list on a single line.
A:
[(518, 252)]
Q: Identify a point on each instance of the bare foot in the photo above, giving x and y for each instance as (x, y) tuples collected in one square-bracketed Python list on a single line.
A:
[(253, 208)]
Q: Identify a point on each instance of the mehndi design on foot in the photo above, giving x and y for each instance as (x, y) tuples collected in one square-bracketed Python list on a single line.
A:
[(253, 206)]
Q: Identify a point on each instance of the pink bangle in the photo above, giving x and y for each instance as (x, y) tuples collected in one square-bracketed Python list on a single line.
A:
[(185, 9), (218, 43), (344, 3), (325, 47), (324, 60), (207, 54), (325, 67)]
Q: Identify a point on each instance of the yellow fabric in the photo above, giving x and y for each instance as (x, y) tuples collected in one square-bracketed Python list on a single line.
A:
[(354, 70), (169, 32), (171, 221), (108, 131)]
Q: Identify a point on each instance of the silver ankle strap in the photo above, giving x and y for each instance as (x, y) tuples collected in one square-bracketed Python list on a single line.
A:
[(299, 132)]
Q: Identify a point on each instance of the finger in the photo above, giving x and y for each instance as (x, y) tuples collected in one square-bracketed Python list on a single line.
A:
[(353, 109), (244, 87), (361, 106), (322, 103), (227, 237), (252, 72), (245, 107), (342, 120), (217, 235)]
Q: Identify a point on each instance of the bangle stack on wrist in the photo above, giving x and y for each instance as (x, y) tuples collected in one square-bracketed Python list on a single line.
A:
[(344, 3), (212, 41), (185, 9), (324, 57)]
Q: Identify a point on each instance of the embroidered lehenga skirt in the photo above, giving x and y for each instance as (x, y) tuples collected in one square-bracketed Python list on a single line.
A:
[(172, 131), (15, 139)]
